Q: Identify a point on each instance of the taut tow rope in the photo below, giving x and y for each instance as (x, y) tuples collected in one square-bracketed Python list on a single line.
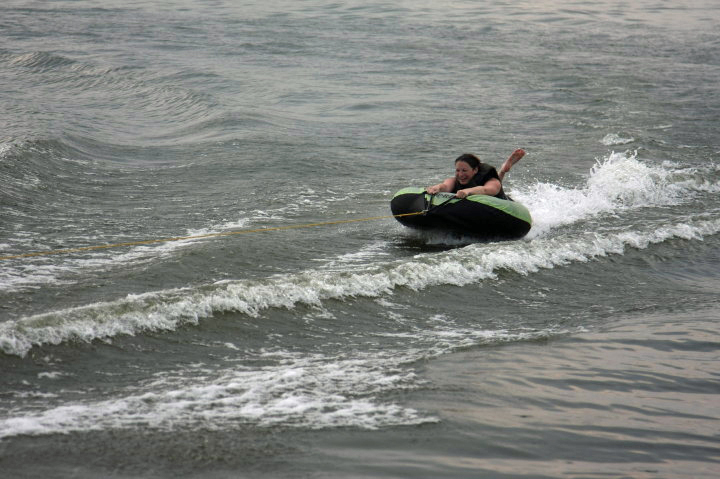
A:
[(208, 235)]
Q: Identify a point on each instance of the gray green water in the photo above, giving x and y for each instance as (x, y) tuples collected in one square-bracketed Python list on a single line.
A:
[(587, 349)]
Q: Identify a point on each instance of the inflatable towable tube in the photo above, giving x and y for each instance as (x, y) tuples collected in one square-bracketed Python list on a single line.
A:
[(482, 216)]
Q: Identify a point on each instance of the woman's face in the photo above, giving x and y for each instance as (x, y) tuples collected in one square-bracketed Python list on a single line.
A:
[(463, 172)]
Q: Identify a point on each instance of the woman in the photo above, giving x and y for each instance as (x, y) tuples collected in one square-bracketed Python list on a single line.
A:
[(472, 177)]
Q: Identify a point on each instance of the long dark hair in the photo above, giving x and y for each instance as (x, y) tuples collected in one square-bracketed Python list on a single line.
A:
[(470, 159)]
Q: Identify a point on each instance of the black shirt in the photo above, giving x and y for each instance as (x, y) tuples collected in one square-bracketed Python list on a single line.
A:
[(485, 173)]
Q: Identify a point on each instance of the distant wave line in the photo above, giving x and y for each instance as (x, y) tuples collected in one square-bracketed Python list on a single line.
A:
[(193, 237)]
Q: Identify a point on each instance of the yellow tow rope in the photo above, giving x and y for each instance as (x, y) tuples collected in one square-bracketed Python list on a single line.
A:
[(209, 235)]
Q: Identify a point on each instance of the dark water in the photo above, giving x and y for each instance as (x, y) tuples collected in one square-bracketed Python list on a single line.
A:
[(357, 349)]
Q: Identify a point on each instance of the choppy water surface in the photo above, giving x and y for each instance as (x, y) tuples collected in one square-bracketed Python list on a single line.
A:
[(357, 349)]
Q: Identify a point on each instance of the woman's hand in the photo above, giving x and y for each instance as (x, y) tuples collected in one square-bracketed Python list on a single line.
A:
[(446, 185), (463, 193)]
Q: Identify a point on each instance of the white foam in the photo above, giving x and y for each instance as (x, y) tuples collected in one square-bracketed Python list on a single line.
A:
[(612, 139), (29, 273), (5, 147), (616, 184), (169, 309), (33, 272), (51, 374), (311, 392), (369, 252), (298, 390)]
